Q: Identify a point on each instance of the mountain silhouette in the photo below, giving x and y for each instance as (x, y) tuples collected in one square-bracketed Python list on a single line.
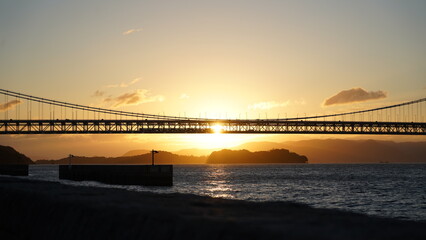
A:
[(136, 152), (349, 151), (339, 150), (8, 155), (227, 156), (162, 158)]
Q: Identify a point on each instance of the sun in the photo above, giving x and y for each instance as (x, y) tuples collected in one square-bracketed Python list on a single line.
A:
[(217, 129)]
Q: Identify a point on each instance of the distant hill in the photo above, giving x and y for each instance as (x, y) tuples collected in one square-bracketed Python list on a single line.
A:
[(8, 155), (359, 151), (196, 151), (227, 156), (338, 150), (160, 158), (317, 151), (223, 156), (136, 152), (259, 146)]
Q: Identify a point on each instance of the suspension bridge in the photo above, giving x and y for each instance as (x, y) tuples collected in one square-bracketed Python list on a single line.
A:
[(26, 114)]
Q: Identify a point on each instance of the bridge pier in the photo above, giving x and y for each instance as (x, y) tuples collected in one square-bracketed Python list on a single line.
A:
[(148, 175)]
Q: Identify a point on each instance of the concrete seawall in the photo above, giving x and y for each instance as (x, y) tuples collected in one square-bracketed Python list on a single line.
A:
[(148, 175), (14, 169)]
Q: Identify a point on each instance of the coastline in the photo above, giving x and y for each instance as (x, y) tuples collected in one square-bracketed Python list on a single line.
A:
[(33, 209)]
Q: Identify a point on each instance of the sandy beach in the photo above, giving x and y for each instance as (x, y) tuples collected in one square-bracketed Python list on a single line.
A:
[(49, 210)]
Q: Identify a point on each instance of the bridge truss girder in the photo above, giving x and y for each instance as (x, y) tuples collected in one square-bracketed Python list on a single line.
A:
[(199, 127)]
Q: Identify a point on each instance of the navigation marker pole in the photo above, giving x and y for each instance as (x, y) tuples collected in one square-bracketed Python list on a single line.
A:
[(69, 160), (152, 156)]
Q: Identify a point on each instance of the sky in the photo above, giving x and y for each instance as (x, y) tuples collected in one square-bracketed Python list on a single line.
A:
[(218, 59)]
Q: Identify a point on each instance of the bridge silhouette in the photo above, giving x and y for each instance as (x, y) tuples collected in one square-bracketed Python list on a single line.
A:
[(25, 114)]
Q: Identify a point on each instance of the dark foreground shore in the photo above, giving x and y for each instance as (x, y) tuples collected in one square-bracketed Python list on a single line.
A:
[(48, 210)]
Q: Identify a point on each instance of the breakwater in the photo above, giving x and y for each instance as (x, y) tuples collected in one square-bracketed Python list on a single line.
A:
[(148, 175)]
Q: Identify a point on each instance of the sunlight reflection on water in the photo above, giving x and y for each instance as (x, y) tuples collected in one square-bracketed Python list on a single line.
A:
[(217, 184)]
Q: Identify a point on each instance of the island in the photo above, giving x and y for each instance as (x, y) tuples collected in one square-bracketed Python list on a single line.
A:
[(246, 157)]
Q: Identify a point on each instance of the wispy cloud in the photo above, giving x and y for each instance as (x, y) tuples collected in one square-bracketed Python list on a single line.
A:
[(131, 31), (98, 93), (134, 98), (354, 95), (124, 85), (9, 105), (184, 96)]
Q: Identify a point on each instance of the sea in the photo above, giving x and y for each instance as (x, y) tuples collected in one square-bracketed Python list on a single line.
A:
[(386, 190)]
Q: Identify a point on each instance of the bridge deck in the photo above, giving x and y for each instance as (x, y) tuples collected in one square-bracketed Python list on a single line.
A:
[(208, 126)]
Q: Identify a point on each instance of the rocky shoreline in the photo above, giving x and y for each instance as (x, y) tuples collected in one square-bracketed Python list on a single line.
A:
[(50, 210)]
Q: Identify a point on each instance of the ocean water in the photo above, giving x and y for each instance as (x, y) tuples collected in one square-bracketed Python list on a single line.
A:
[(388, 190)]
